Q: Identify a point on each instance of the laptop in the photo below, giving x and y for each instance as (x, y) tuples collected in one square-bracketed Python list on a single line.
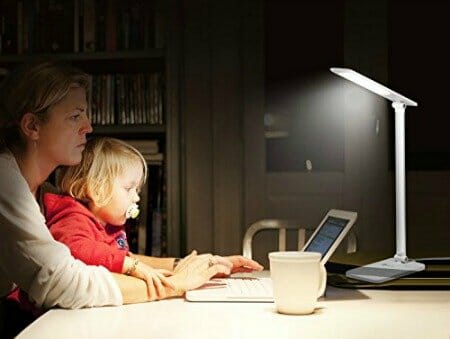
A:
[(325, 239)]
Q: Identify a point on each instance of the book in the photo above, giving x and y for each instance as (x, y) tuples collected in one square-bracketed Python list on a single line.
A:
[(146, 147), (8, 27), (89, 25), (154, 159), (156, 203), (76, 26), (54, 26), (110, 26)]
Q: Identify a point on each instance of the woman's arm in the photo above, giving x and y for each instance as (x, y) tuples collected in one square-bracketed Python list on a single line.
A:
[(237, 262), (195, 271), (135, 290), (159, 263), (31, 258)]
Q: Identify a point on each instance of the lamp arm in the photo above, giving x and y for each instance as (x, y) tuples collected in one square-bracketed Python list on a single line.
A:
[(400, 181)]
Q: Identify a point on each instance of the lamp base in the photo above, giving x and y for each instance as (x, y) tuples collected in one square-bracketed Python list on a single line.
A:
[(385, 270)]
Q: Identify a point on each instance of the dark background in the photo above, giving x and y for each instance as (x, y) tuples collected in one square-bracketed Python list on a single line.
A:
[(305, 38)]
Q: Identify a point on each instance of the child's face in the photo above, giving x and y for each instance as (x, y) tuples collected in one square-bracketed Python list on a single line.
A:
[(125, 192)]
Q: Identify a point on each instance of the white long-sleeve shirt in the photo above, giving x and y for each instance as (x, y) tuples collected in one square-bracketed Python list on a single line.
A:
[(33, 260)]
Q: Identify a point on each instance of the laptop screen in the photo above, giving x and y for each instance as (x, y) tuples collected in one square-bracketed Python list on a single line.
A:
[(327, 235)]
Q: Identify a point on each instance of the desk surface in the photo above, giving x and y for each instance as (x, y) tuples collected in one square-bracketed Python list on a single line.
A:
[(343, 313)]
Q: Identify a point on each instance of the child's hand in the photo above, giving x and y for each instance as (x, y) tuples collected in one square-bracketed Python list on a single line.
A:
[(155, 279)]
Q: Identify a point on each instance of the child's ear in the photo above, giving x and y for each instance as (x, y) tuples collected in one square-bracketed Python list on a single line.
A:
[(30, 125)]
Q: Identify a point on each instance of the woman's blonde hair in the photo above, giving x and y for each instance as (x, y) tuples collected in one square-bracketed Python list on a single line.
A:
[(104, 159), (33, 88)]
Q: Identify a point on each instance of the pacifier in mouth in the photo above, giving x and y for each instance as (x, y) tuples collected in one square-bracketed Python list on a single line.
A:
[(132, 211)]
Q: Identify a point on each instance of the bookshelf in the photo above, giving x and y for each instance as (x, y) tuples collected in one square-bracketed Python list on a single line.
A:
[(125, 48), (154, 53), (135, 130)]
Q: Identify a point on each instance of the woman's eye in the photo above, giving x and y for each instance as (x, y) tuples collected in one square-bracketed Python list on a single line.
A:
[(75, 117)]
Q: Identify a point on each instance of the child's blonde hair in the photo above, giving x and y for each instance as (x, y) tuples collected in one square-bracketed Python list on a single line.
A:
[(104, 159)]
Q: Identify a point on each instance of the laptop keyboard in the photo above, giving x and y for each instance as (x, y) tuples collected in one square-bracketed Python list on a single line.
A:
[(249, 288)]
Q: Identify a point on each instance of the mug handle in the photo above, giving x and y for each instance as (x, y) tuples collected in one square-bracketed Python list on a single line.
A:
[(323, 280)]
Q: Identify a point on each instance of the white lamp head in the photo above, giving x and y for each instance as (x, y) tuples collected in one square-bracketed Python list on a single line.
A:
[(371, 85)]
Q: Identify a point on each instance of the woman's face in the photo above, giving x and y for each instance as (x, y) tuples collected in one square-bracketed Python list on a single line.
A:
[(63, 136), (125, 193)]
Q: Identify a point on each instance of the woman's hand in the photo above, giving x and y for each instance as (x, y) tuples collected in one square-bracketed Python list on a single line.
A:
[(195, 270), (193, 257), (156, 279), (185, 261), (237, 263), (241, 264)]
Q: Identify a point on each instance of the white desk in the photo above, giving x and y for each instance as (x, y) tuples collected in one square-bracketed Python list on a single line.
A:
[(342, 314)]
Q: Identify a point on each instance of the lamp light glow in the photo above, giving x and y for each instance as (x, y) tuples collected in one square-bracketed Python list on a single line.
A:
[(400, 265)]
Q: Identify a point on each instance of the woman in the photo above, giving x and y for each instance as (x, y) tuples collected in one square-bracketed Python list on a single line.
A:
[(43, 125)]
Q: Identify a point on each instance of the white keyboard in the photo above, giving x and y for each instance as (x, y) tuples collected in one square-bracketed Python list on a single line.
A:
[(234, 289), (252, 288)]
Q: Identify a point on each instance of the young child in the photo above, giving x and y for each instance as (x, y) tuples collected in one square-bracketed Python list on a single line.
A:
[(99, 194)]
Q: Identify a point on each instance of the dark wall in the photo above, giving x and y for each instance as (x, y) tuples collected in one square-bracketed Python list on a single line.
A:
[(418, 67), (305, 38), (302, 40), (398, 43), (241, 59)]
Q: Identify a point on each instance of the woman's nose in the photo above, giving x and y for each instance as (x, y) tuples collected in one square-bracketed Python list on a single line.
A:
[(136, 197), (86, 127)]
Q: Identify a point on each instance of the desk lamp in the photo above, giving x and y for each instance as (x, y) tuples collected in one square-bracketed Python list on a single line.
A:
[(399, 265)]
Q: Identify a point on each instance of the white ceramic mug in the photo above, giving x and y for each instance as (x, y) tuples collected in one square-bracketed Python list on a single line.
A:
[(298, 278)]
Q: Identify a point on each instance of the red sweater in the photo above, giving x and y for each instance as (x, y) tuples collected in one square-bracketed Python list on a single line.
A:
[(71, 223)]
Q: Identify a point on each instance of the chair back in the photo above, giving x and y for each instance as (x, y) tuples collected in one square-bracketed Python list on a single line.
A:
[(282, 225)]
